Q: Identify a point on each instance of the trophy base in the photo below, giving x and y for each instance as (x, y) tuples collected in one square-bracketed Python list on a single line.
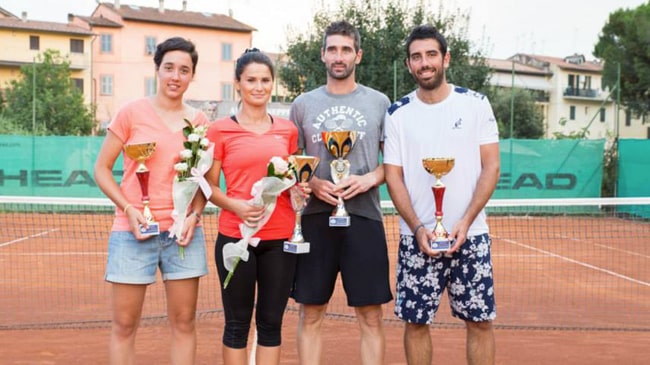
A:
[(297, 248), (444, 245), (339, 221), (153, 230)]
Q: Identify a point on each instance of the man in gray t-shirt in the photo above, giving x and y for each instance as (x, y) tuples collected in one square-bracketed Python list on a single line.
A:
[(359, 251)]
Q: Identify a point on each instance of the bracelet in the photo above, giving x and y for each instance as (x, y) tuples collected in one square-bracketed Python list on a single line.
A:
[(126, 207), (198, 216), (415, 231)]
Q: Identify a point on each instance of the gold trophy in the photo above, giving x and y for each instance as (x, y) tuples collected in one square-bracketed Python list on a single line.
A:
[(141, 152), (305, 166), (439, 166), (339, 144)]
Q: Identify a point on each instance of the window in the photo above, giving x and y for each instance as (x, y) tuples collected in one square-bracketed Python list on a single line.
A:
[(107, 43), (628, 118), (226, 51), (572, 112), (106, 87), (573, 81), (34, 42), (150, 45), (79, 83), (602, 114), (150, 86), (76, 46), (226, 92)]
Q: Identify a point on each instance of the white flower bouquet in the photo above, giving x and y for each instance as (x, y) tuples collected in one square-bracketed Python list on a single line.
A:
[(280, 177), (195, 161)]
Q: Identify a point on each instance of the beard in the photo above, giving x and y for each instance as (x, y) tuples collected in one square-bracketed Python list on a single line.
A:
[(340, 74), (430, 84)]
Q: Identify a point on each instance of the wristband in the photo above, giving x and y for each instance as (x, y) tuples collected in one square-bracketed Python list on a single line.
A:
[(126, 207), (415, 231)]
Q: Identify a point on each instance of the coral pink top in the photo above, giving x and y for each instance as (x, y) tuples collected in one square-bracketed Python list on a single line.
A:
[(245, 156), (138, 122)]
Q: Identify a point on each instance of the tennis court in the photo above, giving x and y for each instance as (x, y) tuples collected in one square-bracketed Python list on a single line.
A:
[(578, 266)]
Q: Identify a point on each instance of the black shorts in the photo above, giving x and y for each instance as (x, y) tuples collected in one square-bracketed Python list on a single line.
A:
[(359, 252)]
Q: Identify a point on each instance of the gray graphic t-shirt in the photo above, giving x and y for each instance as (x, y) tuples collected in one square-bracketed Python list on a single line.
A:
[(363, 111)]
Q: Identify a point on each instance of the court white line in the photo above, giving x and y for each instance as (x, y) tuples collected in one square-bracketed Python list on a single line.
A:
[(620, 276), (605, 246), (624, 251), (28, 237), (511, 255)]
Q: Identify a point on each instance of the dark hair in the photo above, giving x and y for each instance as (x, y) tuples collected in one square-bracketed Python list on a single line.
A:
[(344, 28), (425, 32), (252, 55), (176, 44)]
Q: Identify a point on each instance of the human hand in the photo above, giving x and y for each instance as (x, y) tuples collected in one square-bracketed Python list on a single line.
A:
[(353, 185), (187, 233), (424, 237), (304, 189), (323, 190), (247, 212), (136, 220), (458, 235)]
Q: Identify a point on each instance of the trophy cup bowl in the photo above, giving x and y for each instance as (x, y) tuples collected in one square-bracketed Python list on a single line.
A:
[(438, 167), (305, 166), (339, 144), (140, 152)]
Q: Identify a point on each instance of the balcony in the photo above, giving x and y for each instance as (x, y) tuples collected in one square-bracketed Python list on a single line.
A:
[(571, 92)]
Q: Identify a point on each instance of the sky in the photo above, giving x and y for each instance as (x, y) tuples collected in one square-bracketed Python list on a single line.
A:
[(502, 28)]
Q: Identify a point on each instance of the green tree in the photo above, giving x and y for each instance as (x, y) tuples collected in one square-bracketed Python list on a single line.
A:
[(383, 27), (46, 86), (624, 41), (528, 121)]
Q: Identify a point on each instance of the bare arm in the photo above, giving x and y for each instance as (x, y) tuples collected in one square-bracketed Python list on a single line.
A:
[(402, 201), (110, 150), (487, 182)]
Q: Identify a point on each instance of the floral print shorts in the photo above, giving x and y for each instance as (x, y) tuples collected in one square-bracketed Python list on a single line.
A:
[(467, 275)]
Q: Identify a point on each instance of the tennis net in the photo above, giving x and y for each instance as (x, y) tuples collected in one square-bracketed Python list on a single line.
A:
[(559, 264)]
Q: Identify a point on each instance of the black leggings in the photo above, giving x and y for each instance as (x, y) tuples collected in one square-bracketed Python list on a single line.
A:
[(272, 270)]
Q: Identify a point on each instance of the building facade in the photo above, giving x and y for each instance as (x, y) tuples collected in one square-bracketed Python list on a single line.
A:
[(125, 39), (571, 96), (24, 40)]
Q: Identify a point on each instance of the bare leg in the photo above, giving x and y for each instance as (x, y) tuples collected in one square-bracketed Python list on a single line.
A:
[(480, 343), (181, 311), (233, 356), (372, 334), (267, 355), (417, 342), (127, 308), (309, 333)]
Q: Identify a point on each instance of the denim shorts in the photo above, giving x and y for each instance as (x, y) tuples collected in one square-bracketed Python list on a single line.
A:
[(135, 262), (467, 276)]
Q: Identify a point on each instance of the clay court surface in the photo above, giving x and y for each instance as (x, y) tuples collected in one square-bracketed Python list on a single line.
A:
[(514, 347), (566, 294)]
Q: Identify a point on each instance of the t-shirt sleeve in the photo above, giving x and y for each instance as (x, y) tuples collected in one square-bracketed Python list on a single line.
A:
[(120, 126), (391, 142), (489, 130), (293, 139), (216, 137), (382, 125), (296, 115)]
